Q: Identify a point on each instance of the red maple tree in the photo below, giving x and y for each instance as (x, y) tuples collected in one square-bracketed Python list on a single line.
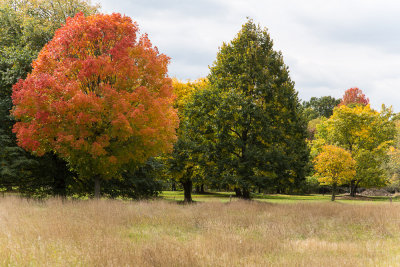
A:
[(99, 96), (354, 96)]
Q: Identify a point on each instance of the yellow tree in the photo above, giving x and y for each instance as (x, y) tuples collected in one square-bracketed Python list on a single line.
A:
[(366, 134), (184, 90), (334, 166)]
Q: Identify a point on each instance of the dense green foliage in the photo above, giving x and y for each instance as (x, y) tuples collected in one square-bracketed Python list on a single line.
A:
[(141, 183), (182, 165), (319, 107), (248, 123)]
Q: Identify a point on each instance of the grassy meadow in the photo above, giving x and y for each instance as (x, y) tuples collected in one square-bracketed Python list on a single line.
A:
[(210, 233)]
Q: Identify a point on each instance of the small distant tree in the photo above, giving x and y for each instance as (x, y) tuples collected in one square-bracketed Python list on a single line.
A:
[(99, 97), (354, 96), (334, 166), (319, 107)]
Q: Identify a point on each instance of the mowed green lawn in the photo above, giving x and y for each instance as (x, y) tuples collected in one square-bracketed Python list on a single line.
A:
[(276, 198)]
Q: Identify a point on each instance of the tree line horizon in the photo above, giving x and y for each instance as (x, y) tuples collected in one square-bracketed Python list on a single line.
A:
[(96, 113)]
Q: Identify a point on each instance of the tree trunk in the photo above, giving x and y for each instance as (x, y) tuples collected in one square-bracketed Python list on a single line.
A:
[(202, 189), (238, 192), (356, 187), (97, 187), (173, 186), (60, 176), (246, 194), (59, 186), (198, 189), (333, 192), (187, 190), (353, 188)]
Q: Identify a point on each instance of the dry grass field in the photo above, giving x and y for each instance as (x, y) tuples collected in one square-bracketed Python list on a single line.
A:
[(161, 233)]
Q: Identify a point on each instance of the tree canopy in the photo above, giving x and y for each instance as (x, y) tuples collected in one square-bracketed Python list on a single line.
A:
[(354, 96), (26, 26), (334, 166), (364, 132), (97, 105), (183, 163), (319, 107), (248, 122), (98, 96)]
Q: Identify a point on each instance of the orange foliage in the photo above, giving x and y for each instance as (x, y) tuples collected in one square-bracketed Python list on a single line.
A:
[(98, 95), (354, 96)]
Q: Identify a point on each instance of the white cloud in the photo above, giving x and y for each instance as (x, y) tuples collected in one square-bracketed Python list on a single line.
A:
[(328, 46)]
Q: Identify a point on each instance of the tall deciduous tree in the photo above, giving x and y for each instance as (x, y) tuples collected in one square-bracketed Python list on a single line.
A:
[(334, 166), (98, 96), (25, 27), (183, 162), (249, 122)]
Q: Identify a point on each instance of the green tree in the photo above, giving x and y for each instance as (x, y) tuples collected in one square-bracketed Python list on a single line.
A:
[(14, 163), (142, 182), (367, 134), (319, 107), (248, 124), (183, 162), (393, 164)]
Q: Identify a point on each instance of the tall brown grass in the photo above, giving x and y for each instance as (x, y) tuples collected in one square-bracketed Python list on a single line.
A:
[(158, 233)]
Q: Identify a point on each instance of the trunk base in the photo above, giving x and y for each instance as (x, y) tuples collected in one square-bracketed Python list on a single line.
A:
[(353, 188), (333, 192), (246, 194), (238, 192), (97, 187), (187, 190)]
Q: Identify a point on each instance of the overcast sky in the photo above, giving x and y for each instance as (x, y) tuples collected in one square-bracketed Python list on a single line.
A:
[(329, 46)]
